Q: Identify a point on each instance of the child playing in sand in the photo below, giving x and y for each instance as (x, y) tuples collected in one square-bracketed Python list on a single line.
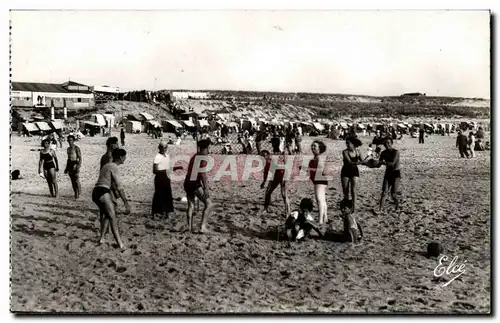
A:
[(198, 187), (278, 179), (300, 222)]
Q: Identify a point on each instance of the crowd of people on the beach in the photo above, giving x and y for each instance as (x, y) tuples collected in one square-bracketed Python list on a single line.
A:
[(284, 141)]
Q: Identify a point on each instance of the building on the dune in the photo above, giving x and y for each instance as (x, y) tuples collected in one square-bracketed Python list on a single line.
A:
[(178, 95), (106, 93), (69, 95), (413, 94)]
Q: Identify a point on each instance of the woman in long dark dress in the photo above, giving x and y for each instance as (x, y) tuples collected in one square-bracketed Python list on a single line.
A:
[(163, 203)]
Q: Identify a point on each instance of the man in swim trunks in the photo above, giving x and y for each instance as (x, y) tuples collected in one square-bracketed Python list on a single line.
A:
[(73, 165), (392, 177), (278, 179), (101, 196), (198, 187)]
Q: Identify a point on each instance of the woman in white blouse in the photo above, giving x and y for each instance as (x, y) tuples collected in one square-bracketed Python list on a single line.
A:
[(163, 203)]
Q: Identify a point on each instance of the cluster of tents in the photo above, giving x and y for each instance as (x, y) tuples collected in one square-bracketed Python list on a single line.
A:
[(42, 127)]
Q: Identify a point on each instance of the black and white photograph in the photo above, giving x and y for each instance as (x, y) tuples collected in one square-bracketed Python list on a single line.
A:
[(250, 162)]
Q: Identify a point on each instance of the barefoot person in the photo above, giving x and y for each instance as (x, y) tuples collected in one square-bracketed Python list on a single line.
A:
[(278, 179), (349, 175), (318, 149), (103, 198), (73, 165), (392, 177), (198, 187), (50, 165)]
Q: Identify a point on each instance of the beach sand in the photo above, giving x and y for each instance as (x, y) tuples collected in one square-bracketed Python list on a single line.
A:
[(240, 266)]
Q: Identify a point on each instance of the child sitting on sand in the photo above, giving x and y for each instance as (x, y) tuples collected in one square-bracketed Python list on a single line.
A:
[(299, 224)]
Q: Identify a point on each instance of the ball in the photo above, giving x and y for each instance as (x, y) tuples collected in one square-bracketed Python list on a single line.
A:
[(434, 249), (373, 163)]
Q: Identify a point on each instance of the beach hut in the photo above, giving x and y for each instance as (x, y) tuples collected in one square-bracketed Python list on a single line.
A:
[(132, 126), (171, 126)]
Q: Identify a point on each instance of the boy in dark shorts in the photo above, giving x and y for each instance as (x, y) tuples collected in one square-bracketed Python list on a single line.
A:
[(392, 178), (198, 187), (73, 165), (278, 179)]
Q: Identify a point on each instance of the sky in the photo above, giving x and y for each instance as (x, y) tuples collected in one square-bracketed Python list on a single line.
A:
[(440, 53)]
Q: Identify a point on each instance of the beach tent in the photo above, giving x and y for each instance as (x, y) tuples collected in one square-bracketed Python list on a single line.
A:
[(110, 120), (57, 124), (151, 125), (43, 126), (99, 119), (133, 126), (154, 123), (30, 127), (188, 123), (147, 116), (93, 127), (318, 126), (171, 125)]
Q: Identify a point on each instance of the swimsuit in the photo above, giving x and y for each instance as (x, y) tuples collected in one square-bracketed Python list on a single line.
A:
[(48, 161), (99, 192), (349, 170), (312, 174), (71, 167), (391, 174)]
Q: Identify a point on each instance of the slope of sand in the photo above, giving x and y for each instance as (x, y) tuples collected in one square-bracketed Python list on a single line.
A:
[(240, 266)]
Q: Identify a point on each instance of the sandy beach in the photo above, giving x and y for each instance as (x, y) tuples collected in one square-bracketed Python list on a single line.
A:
[(240, 266)]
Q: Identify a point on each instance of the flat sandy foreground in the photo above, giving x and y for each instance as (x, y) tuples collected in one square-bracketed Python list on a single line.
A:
[(241, 266)]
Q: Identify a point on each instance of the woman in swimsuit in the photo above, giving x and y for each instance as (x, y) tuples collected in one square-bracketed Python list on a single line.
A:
[(318, 148), (349, 174), (50, 165)]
